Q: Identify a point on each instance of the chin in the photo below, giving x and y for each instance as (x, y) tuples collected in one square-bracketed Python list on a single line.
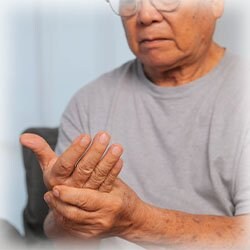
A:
[(167, 61)]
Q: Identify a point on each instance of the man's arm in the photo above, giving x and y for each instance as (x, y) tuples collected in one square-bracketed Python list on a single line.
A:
[(90, 214), (189, 231)]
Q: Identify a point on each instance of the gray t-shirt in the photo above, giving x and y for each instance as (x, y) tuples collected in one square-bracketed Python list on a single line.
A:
[(187, 148)]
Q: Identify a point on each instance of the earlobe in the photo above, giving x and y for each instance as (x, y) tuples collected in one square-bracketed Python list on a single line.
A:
[(218, 8)]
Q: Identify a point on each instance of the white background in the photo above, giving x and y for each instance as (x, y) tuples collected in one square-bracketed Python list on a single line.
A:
[(48, 50)]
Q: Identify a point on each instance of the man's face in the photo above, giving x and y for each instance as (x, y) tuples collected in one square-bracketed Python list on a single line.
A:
[(162, 39)]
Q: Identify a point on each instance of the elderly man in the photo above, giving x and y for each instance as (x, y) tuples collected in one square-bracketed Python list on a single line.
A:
[(180, 112)]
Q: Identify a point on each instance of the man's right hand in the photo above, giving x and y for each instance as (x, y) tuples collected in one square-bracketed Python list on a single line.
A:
[(83, 164)]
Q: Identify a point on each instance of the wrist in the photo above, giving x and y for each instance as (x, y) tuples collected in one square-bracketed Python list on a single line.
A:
[(150, 227), (140, 218)]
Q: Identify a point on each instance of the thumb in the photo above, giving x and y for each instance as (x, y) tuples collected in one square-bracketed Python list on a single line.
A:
[(40, 147), (84, 198)]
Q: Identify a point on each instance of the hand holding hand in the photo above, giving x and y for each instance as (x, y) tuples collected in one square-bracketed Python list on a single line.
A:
[(81, 165)]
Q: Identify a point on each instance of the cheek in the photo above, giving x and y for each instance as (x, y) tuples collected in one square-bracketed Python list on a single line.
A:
[(129, 26), (191, 35), (187, 38), (132, 43)]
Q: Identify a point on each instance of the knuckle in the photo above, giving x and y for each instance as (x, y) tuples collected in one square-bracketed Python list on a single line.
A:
[(118, 205), (92, 183), (89, 162), (107, 185), (109, 162), (84, 168), (112, 176), (101, 172), (84, 171), (106, 188), (106, 223), (65, 163)]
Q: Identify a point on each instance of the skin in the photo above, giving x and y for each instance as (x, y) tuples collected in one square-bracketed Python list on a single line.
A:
[(89, 214), (185, 52), (81, 165)]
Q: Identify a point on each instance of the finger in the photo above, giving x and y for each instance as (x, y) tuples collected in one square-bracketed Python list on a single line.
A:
[(40, 147), (67, 211), (92, 157), (102, 170), (108, 183), (86, 199), (66, 163)]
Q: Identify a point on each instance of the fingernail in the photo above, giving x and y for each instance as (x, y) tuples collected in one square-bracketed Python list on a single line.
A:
[(56, 192), (117, 151), (84, 141), (47, 198), (104, 138)]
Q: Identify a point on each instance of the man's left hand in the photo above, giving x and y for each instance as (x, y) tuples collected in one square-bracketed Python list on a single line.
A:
[(88, 214)]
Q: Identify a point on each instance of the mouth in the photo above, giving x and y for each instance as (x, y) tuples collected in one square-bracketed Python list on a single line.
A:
[(150, 40), (149, 43)]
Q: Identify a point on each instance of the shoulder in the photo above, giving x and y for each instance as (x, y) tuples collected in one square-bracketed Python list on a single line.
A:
[(234, 76), (235, 68), (232, 104), (107, 83), (101, 90)]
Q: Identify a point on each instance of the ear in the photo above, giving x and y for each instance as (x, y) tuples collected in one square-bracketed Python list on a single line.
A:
[(217, 8)]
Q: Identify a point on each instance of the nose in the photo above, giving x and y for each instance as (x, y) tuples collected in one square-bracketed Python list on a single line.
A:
[(147, 13)]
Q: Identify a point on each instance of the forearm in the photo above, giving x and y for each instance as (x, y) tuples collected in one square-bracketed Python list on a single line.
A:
[(186, 231)]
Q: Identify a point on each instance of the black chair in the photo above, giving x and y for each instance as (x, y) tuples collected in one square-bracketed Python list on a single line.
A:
[(36, 208)]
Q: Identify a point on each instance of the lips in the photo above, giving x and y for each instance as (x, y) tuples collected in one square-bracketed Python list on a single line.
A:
[(148, 40), (154, 43)]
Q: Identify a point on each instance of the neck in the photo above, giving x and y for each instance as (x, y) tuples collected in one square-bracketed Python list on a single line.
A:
[(180, 75)]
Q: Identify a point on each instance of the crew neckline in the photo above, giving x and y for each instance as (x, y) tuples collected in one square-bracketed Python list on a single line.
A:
[(183, 90)]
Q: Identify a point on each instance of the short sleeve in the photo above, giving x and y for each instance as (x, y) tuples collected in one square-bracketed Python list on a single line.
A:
[(242, 180)]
